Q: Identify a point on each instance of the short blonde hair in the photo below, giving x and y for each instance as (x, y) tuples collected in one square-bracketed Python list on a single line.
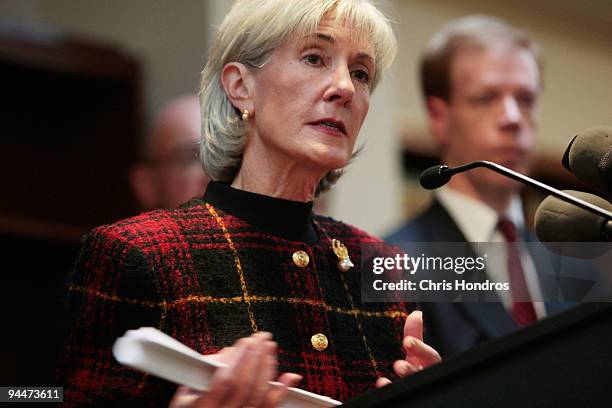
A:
[(249, 34)]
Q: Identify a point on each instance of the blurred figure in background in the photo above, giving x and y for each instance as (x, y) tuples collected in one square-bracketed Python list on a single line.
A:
[(481, 80), (169, 171)]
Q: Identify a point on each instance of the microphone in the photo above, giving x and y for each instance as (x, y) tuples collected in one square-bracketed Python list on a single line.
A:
[(589, 157), (437, 176), (557, 221)]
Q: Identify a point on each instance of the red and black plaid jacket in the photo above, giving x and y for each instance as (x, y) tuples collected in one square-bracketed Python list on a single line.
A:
[(208, 278)]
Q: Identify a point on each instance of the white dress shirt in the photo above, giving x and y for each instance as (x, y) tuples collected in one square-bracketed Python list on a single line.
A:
[(478, 223)]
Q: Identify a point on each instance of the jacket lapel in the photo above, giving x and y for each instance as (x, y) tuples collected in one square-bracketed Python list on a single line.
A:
[(491, 317)]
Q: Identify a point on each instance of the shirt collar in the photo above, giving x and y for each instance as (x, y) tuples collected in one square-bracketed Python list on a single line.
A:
[(291, 220), (476, 220)]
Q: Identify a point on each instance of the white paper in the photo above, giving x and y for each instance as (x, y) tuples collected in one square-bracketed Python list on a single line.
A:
[(148, 349)]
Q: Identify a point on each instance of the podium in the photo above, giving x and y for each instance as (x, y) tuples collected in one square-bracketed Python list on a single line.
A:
[(562, 361)]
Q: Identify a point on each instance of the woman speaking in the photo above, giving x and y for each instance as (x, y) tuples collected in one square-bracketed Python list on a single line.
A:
[(284, 94)]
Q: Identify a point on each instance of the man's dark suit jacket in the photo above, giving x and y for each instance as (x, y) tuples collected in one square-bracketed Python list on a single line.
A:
[(455, 327)]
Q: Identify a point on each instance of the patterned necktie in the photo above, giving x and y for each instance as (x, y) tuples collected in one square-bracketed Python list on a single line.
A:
[(523, 311)]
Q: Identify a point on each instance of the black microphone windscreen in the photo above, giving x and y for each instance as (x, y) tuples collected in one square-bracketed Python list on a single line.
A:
[(559, 221), (589, 157), (434, 177)]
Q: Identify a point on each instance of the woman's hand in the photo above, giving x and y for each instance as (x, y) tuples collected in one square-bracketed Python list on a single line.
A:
[(244, 381), (418, 354)]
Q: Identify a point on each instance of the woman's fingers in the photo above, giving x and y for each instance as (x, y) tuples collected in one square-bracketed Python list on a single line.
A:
[(223, 356), (279, 391), (264, 372), (184, 397), (188, 398), (244, 373), (225, 380), (414, 325), (245, 380), (290, 379), (419, 353), (382, 381), (403, 368)]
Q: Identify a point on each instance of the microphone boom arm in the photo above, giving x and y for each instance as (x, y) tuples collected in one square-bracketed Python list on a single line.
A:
[(445, 171)]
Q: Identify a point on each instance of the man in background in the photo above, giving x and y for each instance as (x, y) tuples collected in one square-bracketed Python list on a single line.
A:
[(169, 171), (481, 80)]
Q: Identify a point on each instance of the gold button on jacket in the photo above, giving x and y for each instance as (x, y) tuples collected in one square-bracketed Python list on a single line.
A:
[(301, 258), (319, 341)]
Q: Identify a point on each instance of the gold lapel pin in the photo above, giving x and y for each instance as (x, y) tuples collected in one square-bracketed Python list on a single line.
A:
[(344, 262)]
